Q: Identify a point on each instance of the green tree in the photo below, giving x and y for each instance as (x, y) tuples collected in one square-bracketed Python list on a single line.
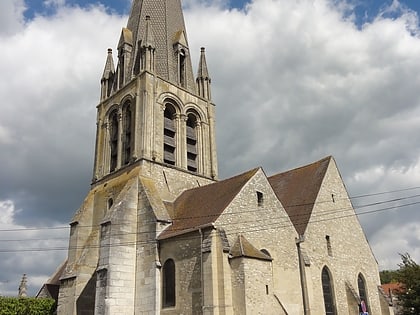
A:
[(409, 276), (388, 276), (26, 306)]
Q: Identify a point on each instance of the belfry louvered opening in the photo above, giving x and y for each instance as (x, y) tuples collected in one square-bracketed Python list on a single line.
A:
[(113, 130), (128, 132), (169, 134), (192, 142)]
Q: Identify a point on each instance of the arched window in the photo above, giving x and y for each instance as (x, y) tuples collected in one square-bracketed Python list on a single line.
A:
[(361, 284), (192, 142), (113, 132), (128, 132), (169, 135), (168, 283), (327, 290)]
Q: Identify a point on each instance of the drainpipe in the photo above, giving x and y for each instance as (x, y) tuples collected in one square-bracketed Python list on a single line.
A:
[(202, 271), (303, 285)]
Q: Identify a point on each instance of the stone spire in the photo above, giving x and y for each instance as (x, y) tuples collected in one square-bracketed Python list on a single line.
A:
[(172, 58), (203, 79), (107, 76), (22, 286)]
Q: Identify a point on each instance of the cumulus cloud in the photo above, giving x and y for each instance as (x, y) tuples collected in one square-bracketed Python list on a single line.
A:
[(11, 16), (26, 250), (293, 81)]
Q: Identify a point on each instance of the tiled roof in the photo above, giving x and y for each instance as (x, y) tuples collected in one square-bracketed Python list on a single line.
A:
[(392, 288), (298, 189), (243, 248), (202, 206)]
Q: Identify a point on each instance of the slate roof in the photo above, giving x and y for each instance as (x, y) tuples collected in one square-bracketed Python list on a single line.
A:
[(298, 189), (243, 248), (201, 206), (166, 20)]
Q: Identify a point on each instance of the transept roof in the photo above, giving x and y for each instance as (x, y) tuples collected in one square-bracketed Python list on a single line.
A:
[(298, 189)]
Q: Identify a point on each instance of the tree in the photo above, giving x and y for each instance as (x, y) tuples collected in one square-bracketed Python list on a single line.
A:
[(408, 275), (388, 276)]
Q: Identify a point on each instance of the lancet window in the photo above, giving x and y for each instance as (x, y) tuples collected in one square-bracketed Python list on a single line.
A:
[(168, 285), (191, 127), (113, 132), (181, 65), (169, 134), (128, 132), (328, 292), (361, 283)]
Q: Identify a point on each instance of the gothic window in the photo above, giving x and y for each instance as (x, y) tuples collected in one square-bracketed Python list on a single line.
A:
[(121, 68), (327, 290), (168, 284), (181, 64), (128, 132), (361, 283), (192, 143), (169, 135), (113, 131)]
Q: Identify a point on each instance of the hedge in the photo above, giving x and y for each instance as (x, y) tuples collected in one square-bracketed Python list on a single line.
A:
[(26, 306)]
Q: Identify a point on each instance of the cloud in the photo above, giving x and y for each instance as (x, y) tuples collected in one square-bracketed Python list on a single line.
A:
[(293, 81), (48, 121), (24, 250), (11, 16)]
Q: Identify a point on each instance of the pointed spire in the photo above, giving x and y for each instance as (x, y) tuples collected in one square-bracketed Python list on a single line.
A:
[(109, 69), (172, 59), (125, 48), (203, 79), (107, 76), (202, 66), (22, 286), (148, 38), (147, 50)]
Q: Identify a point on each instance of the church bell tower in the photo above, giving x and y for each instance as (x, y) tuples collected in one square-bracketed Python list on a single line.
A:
[(155, 138), (152, 109)]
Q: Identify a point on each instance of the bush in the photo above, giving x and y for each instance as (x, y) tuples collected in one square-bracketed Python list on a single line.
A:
[(26, 306)]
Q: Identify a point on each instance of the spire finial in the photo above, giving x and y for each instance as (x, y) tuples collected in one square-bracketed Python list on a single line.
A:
[(22, 286), (203, 79)]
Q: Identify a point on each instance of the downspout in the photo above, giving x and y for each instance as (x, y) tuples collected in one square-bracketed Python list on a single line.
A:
[(201, 266), (303, 284)]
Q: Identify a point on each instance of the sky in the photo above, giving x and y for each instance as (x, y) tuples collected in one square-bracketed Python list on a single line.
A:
[(293, 82)]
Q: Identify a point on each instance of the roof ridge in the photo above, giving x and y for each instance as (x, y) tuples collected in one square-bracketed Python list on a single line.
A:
[(329, 157)]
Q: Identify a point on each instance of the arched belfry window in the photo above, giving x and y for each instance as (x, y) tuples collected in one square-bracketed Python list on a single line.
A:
[(328, 292), (361, 284), (192, 142), (113, 139), (128, 132), (168, 283), (169, 135)]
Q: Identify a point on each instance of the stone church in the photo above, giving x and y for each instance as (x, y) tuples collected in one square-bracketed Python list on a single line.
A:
[(159, 233)]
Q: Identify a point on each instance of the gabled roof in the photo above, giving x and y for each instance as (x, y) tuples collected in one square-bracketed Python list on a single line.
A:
[(298, 189), (243, 248), (201, 206)]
